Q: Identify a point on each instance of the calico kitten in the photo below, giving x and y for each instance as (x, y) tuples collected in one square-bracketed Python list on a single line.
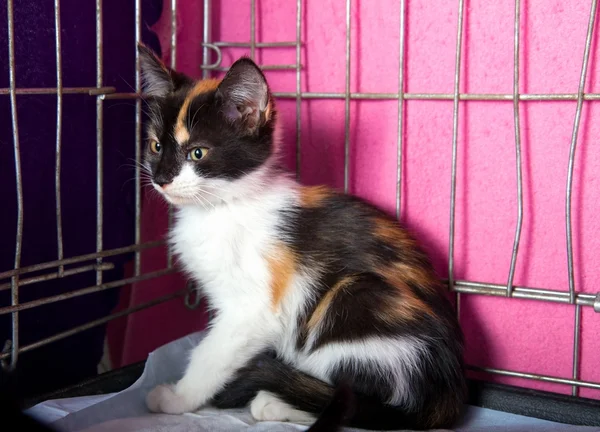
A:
[(314, 290)]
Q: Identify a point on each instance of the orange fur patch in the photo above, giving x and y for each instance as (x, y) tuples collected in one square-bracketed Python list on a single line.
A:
[(319, 313), (408, 305), (282, 266), (415, 274), (390, 232), (182, 134), (406, 277), (313, 196)]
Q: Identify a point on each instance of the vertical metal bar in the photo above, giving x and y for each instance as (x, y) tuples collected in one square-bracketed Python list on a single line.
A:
[(99, 140), (576, 122), (459, 32), (347, 104), (400, 108), (298, 86), (173, 66), (206, 36), (576, 349), (173, 34), (515, 251), (138, 137), (253, 29), (584, 66), (14, 281), (59, 101)]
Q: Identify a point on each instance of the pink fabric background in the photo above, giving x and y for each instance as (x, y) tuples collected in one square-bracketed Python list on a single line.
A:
[(527, 336)]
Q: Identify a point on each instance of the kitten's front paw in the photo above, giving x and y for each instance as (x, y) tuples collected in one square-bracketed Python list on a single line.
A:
[(163, 399)]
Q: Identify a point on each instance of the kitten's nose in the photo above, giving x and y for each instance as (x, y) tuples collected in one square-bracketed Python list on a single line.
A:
[(162, 183)]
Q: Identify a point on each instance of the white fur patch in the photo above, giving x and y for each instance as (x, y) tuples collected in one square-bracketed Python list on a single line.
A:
[(268, 407), (396, 358)]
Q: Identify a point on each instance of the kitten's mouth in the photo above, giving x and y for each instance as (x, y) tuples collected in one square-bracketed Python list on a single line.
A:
[(172, 196), (180, 198)]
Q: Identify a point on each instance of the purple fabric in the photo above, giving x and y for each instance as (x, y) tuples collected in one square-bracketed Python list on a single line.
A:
[(76, 357)]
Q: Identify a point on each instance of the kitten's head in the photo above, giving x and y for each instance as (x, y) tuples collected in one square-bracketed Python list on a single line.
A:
[(209, 141)]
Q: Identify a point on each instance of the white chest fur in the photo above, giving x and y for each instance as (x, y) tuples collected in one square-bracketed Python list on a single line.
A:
[(225, 248)]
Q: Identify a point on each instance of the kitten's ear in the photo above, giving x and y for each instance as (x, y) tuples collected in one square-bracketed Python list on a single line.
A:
[(157, 79), (246, 95)]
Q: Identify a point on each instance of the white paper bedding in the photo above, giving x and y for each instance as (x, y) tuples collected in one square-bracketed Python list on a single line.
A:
[(126, 412)]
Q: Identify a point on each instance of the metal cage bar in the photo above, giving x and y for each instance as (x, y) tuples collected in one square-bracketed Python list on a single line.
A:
[(59, 118), (576, 349), (298, 46), (455, 106), (569, 232), (13, 344), (400, 139), (347, 99), (253, 29), (206, 37), (173, 66), (99, 141), (517, 123), (138, 139), (584, 66), (110, 93), (98, 322)]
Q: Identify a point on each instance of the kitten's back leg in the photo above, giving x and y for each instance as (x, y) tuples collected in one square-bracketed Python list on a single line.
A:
[(266, 406)]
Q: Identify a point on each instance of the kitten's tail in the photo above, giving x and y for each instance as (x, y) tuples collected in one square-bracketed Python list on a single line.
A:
[(336, 407), (339, 411)]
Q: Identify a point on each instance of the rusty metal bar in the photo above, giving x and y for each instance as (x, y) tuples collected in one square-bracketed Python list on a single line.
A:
[(99, 141), (456, 98), (400, 139), (537, 377), (88, 257), (91, 91), (59, 115), (14, 294), (98, 322), (137, 266), (58, 274), (84, 291)]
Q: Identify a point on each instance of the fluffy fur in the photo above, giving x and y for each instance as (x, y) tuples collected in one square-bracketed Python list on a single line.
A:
[(325, 305)]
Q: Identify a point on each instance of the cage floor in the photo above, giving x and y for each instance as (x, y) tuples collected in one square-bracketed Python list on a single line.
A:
[(125, 410)]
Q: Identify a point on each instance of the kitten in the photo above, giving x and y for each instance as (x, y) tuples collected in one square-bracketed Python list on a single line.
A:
[(313, 289)]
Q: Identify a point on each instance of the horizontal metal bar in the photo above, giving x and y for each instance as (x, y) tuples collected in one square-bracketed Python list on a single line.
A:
[(93, 91), (80, 258), (85, 291), (121, 96), (263, 67), (545, 378), (98, 322), (257, 45), (442, 96), (468, 287), (525, 97), (57, 274)]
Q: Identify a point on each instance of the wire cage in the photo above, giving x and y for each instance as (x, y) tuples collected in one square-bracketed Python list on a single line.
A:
[(20, 277)]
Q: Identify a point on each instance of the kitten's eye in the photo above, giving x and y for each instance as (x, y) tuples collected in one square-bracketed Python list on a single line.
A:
[(197, 153), (155, 147)]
